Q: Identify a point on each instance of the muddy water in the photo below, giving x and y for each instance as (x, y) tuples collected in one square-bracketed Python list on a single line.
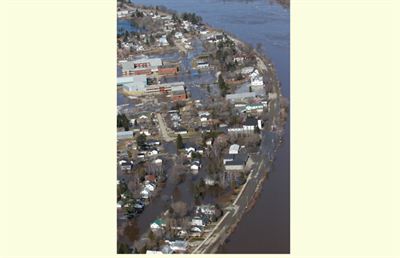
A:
[(266, 227)]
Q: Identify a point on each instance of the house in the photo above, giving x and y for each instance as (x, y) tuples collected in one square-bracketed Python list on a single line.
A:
[(145, 194), (258, 107), (195, 165), (257, 81), (238, 59), (209, 181), (125, 165), (145, 132), (247, 70), (152, 152), (205, 129), (234, 149), (143, 117), (195, 232), (202, 64), (206, 209), (153, 252), (122, 13), (166, 249), (124, 135), (209, 142), (189, 148), (178, 245), (250, 124), (157, 161), (149, 187), (178, 35), (157, 224), (150, 178), (197, 221), (239, 162), (152, 142), (182, 234), (139, 206), (141, 155), (228, 157), (163, 41), (180, 130), (203, 118)]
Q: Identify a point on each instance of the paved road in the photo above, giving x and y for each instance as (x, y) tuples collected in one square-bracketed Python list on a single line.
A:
[(233, 213), (163, 129)]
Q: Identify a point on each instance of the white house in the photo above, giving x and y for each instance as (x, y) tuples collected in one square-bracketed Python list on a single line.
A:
[(178, 35), (122, 13), (178, 246), (234, 149), (209, 181), (145, 194), (257, 81), (152, 152), (153, 252), (197, 222), (145, 132), (195, 166), (163, 41), (149, 187), (157, 161), (157, 224)]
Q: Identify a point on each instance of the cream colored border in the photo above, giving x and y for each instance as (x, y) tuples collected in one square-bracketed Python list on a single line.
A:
[(59, 174)]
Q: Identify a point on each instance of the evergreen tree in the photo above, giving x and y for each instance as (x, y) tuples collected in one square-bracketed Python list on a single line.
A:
[(179, 142)]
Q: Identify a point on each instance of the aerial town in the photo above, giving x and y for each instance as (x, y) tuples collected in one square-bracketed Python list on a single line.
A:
[(199, 117)]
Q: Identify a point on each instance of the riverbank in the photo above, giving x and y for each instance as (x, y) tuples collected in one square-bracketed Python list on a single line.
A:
[(253, 186)]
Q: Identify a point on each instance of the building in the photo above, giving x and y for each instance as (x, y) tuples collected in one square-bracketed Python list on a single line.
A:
[(238, 163), (228, 157), (153, 252), (202, 64), (178, 246), (180, 130), (250, 124), (178, 93), (157, 224), (163, 41), (258, 107), (124, 135), (134, 84), (240, 96), (122, 13), (141, 66), (234, 149), (168, 70), (178, 35)]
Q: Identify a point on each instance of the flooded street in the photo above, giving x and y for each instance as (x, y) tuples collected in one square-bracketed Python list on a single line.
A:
[(266, 227)]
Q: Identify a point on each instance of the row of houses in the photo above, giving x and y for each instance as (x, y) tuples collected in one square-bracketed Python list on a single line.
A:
[(201, 216)]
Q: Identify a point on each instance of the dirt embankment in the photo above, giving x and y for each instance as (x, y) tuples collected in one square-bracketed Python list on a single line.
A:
[(284, 3)]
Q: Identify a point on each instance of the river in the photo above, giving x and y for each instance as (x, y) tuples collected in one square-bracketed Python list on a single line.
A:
[(266, 227)]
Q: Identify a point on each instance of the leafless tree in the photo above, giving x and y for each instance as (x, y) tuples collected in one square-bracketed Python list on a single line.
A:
[(179, 208)]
